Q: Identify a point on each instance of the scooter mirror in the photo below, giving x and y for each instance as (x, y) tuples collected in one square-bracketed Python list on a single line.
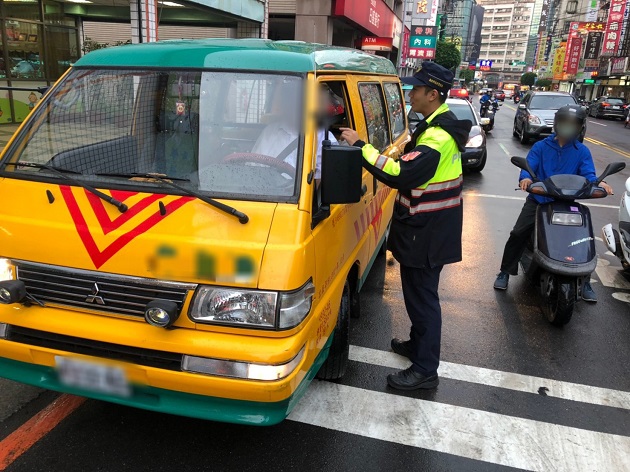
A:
[(522, 163), (610, 169)]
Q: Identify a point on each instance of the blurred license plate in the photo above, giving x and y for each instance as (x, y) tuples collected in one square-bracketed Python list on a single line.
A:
[(97, 378), (615, 107)]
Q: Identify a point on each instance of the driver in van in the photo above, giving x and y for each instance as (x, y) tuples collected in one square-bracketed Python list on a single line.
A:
[(560, 153), (280, 139)]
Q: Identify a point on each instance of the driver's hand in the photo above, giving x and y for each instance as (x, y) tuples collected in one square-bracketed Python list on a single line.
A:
[(607, 187), (525, 183), (349, 135)]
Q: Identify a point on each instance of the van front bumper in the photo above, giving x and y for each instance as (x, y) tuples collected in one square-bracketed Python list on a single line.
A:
[(19, 362)]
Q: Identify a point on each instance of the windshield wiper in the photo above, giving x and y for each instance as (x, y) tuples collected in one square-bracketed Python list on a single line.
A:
[(168, 180), (61, 172)]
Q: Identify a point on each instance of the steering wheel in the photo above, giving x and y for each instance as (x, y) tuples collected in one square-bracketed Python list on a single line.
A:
[(252, 157)]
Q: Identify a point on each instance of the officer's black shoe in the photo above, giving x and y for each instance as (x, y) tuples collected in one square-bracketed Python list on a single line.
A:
[(402, 348), (409, 379), (501, 283)]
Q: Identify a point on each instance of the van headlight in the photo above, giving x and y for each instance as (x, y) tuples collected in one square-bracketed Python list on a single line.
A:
[(251, 308), (7, 269)]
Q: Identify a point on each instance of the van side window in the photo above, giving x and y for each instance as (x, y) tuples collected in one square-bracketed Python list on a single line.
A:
[(395, 109), (375, 115)]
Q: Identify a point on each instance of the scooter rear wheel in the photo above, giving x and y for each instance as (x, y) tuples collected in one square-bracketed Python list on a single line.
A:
[(558, 299)]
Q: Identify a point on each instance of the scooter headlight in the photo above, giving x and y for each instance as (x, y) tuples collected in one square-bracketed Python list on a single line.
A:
[(567, 219)]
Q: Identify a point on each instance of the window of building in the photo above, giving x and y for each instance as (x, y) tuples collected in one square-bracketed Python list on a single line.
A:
[(572, 6)]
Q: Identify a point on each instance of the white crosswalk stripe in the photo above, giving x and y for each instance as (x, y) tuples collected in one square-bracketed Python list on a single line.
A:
[(466, 432)]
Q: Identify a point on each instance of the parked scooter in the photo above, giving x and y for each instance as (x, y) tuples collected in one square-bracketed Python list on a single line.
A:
[(561, 255), (618, 241)]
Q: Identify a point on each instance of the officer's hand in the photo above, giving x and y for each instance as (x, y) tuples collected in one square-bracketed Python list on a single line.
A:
[(525, 183), (607, 187), (349, 135)]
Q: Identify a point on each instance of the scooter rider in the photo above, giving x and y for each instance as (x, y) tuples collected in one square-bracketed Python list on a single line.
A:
[(484, 99), (560, 153)]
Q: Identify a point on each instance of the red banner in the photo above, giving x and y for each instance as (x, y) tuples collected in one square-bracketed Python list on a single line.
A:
[(574, 51), (405, 45), (612, 35), (373, 15)]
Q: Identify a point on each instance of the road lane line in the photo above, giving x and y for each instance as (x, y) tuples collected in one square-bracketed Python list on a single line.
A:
[(608, 146), (504, 149), (508, 197), (596, 123), (465, 432), (23, 438), (508, 380)]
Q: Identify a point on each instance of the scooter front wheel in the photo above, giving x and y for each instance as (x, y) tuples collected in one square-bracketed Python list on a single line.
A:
[(558, 299)]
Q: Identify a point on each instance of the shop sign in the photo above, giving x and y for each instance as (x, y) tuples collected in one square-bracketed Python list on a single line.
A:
[(373, 15), (422, 41), (574, 50), (558, 62), (485, 65), (421, 9), (374, 43), (618, 65), (612, 34), (593, 45)]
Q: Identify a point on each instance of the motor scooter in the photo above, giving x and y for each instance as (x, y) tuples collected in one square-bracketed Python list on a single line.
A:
[(618, 241), (561, 255), (488, 110)]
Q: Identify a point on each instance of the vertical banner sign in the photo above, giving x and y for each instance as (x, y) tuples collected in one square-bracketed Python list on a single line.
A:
[(558, 61), (574, 52), (593, 44), (422, 41), (421, 9), (591, 10), (433, 20), (542, 30), (404, 53), (612, 34)]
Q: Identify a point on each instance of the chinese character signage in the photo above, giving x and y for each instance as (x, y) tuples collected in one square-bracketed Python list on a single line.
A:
[(612, 34), (422, 41), (574, 50), (593, 44), (421, 9), (618, 65), (558, 62), (485, 65)]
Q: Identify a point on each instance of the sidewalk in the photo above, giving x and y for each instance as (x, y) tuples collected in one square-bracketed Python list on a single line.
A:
[(6, 131)]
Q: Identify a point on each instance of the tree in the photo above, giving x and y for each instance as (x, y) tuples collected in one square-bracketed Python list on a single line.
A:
[(467, 74), (447, 55), (528, 78), (543, 83)]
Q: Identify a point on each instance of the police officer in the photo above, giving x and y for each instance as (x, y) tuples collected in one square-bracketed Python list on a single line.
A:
[(427, 224)]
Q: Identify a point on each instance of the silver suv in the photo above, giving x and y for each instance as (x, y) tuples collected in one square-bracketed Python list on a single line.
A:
[(534, 115)]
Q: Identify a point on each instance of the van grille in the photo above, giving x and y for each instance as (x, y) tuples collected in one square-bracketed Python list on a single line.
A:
[(97, 291)]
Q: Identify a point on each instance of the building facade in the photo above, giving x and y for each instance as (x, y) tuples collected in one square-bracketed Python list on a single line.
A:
[(505, 37)]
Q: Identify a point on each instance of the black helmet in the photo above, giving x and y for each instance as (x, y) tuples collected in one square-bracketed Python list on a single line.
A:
[(573, 117)]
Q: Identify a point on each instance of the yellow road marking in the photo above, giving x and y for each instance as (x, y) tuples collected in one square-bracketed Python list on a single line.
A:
[(608, 146)]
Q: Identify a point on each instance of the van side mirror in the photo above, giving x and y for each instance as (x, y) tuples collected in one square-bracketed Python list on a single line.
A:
[(342, 174), (522, 163), (610, 169)]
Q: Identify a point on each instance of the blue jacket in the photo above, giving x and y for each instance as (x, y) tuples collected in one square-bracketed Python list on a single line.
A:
[(547, 158)]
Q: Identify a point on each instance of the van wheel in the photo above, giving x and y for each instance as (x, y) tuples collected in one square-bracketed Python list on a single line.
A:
[(335, 366)]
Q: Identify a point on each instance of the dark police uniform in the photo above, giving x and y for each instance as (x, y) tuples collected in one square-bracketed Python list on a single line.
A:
[(427, 223)]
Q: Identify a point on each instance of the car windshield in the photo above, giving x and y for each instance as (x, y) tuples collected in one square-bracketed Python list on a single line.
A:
[(462, 112), (614, 101), (226, 134), (551, 102)]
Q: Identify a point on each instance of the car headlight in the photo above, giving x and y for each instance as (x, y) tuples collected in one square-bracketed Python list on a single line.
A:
[(252, 308), (475, 141), (533, 119), (567, 219), (7, 269)]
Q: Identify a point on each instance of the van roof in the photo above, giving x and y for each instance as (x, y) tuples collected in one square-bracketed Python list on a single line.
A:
[(240, 54)]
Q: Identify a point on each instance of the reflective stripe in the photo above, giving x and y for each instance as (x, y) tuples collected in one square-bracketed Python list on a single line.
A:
[(380, 162), (429, 206), (438, 186)]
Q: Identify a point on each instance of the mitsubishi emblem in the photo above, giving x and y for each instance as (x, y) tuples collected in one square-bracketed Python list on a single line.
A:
[(94, 297)]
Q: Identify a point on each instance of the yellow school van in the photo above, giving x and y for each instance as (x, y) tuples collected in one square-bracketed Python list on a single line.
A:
[(180, 233)]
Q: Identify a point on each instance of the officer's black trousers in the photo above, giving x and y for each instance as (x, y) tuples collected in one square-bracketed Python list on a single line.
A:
[(420, 290), (517, 241)]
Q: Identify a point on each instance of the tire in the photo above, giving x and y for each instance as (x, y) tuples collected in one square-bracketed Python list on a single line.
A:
[(558, 299), (479, 167), (514, 132), (523, 138), (335, 365)]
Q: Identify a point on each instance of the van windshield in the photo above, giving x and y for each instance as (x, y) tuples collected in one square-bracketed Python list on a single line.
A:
[(227, 134)]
